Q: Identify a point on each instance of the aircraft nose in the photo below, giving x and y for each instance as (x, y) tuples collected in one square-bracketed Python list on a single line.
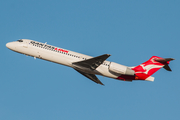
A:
[(9, 45)]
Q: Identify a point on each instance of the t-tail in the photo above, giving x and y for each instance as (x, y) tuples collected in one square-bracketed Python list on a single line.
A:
[(148, 68)]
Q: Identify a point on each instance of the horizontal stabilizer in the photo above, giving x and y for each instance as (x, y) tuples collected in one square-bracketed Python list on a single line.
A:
[(164, 60), (167, 67)]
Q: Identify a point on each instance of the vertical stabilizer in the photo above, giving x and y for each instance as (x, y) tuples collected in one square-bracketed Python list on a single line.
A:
[(148, 68)]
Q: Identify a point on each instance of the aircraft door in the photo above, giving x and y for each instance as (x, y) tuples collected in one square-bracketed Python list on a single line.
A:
[(25, 44), (39, 54)]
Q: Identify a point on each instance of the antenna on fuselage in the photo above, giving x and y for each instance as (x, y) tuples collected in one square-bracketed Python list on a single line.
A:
[(44, 44)]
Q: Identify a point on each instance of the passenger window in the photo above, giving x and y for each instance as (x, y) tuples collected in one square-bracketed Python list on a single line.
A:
[(20, 40)]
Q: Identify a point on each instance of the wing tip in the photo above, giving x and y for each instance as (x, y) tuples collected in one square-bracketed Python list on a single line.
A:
[(101, 84)]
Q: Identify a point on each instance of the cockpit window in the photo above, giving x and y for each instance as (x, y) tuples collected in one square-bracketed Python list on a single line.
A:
[(20, 40)]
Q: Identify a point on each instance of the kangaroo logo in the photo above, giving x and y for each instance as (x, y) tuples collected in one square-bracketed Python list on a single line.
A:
[(146, 68), (151, 65)]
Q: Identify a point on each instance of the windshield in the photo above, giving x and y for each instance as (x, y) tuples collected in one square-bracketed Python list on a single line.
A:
[(20, 40)]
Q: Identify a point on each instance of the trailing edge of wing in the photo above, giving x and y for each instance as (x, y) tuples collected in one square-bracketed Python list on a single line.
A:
[(91, 77), (92, 63)]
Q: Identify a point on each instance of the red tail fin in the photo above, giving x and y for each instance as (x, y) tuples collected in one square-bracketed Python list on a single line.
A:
[(146, 69)]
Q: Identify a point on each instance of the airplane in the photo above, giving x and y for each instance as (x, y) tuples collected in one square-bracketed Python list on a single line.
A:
[(90, 66)]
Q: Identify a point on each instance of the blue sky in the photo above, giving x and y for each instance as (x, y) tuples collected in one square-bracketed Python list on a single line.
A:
[(131, 31)]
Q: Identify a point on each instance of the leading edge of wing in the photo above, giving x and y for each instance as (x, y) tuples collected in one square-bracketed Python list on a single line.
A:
[(92, 63), (91, 77)]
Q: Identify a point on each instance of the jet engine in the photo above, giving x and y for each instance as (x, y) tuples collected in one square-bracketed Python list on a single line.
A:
[(118, 69)]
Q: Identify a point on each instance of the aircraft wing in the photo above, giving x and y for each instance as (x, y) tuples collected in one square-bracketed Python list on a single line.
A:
[(92, 63), (91, 77)]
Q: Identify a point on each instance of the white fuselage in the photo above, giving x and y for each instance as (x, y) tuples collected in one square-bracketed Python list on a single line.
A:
[(90, 66), (57, 55)]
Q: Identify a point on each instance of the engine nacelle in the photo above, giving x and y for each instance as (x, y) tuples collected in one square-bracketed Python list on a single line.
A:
[(118, 69)]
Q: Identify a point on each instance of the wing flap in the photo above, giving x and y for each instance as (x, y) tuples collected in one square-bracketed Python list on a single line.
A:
[(91, 77)]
